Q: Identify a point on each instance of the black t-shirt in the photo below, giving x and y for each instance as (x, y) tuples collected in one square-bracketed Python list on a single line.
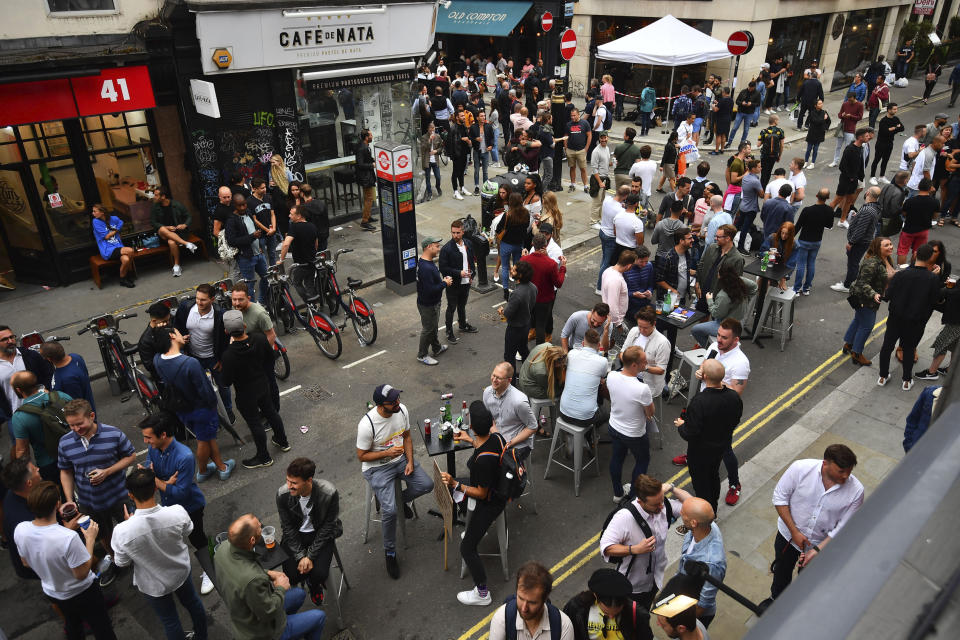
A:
[(304, 244), (812, 222), (884, 135), (577, 132), (261, 209), (918, 211), (315, 212), (485, 469), (222, 213)]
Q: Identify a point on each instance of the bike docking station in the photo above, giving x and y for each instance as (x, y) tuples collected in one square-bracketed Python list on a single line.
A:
[(398, 218)]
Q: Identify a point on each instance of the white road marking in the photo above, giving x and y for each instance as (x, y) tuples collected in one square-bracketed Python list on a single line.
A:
[(373, 355), (290, 390)]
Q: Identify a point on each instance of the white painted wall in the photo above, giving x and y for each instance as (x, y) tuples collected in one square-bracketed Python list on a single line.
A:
[(33, 20)]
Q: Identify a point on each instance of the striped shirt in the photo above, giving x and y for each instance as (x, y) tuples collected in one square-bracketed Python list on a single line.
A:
[(105, 448)]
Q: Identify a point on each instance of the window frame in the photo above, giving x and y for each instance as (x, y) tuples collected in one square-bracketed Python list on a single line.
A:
[(80, 13)]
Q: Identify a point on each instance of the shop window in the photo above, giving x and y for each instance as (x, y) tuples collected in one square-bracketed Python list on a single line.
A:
[(63, 203), (73, 6), (9, 149), (44, 140), (799, 40), (861, 40), (15, 214)]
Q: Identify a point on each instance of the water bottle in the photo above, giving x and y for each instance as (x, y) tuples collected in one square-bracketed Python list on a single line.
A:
[(464, 416)]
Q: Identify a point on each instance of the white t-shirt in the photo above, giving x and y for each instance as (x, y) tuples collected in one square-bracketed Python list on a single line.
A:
[(799, 181), (53, 552), (585, 369), (383, 434), (646, 170), (910, 145), (773, 187), (924, 162), (627, 225), (599, 117), (442, 70), (628, 397), (684, 133), (464, 261), (554, 251), (307, 526), (735, 363), (611, 209)]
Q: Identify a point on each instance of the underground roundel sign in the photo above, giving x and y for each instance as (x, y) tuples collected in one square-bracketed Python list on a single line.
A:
[(383, 159), (568, 44)]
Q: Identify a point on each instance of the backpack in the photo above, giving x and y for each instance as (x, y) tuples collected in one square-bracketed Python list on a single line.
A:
[(52, 422), (510, 619), (607, 118), (512, 479), (771, 142), (696, 189), (627, 503)]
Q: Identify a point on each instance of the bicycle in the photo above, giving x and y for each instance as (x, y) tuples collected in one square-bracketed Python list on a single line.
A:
[(34, 339), (318, 324), (117, 355), (360, 313)]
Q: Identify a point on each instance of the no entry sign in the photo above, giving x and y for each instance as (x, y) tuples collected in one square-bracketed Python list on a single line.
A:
[(546, 21), (740, 42), (568, 44)]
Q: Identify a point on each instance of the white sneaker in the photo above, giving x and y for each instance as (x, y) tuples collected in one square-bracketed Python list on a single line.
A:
[(884, 180), (177, 271), (906, 386), (457, 195), (811, 166), (627, 487), (465, 191), (206, 584), (843, 224), (427, 360), (839, 288), (873, 181), (473, 597), (832, 165), (192, 248), (598, 292)]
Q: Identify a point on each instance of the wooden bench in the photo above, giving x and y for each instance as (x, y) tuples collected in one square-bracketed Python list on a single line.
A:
[(97, 263)]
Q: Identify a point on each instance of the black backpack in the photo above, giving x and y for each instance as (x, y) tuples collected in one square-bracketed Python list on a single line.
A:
[(52, 421), (626, 502), (512, 479), (510, 619)]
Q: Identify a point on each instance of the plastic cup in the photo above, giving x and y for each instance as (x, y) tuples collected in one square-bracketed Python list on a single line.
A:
[(84, 522), (269, 537)]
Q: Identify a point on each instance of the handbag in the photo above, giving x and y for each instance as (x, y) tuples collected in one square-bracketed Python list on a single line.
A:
[(225, 251)]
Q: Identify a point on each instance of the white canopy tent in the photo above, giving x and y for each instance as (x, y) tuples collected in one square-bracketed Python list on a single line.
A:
[(667, 42)]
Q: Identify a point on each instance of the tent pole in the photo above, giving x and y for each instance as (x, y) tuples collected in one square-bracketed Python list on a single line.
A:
[(669, 91)]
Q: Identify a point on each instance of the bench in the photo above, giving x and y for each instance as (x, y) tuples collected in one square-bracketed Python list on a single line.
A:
[(97, 263)]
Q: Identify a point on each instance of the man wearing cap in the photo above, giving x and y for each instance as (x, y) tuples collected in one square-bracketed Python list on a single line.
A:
[(933, 129), (553, 249), (677, 615), (703, 542), (605, 610), (385, 452), (430, 287)]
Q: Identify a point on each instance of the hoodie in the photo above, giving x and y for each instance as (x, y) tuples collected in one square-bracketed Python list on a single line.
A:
[(245, 366)]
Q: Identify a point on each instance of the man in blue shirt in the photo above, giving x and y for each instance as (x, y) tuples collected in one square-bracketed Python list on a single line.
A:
[(26, 426), (775, 212), (70, 373), (640, 284), (750, 198), (430, 287), (92, 459), (703, 543)]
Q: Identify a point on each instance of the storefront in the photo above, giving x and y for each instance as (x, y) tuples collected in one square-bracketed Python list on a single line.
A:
[(859, 46), (302, 83), (68, 143), (799, 40)]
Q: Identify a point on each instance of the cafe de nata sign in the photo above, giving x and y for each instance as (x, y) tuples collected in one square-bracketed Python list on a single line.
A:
[(268, 39)]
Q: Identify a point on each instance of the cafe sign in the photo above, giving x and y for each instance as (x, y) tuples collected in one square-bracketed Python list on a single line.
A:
[(274, 39)]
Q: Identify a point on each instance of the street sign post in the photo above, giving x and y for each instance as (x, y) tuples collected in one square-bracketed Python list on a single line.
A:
[(546, 21), (568, 44)]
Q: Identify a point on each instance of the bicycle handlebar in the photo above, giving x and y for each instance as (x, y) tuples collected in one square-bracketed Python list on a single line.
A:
[(83, 331)]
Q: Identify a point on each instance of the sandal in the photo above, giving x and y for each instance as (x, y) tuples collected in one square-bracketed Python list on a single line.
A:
[(940, 222)]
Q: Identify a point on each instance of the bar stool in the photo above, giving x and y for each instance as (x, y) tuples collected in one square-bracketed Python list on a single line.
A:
[(344, 177), (323, 188), (398, 501), (338, 564), (579, 438), (693, 359), (503, 539), (779, 305), (539, 405)]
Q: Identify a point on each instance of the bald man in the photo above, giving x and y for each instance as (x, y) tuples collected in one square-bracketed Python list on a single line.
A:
[(221, 214), (261, 603), (703, 543), (711, 417)]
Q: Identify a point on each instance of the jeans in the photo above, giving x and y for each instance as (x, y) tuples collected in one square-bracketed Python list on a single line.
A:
[(308, 625), (457, 301), (494, 152), (901, 68), (854, 255), (860, 328), (811, 153), (874, 112), (255, 405), (459, 171), (801, 113), (609, 245), (166, 610), (806, 256), (949, 209), (762, 88), (87, 606), (703, 333), (731, 463), (435, 169), (546, 170), (620, 445), (480, 158), (645, 121), (744, 119), (381, 481), (208, 364), (785, 558), (766, 168), (908, 332), (841, 144), (429, 322), (252, 267), (484, 514), (508, 251), (268, 247), (744, 226)]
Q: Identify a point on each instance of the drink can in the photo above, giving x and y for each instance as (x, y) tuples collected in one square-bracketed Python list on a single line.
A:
[(446, 396), (426, 428), (84, 522)]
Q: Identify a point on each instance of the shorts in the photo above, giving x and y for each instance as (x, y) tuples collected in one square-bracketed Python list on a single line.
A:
[(910, 242), (697, 124), (846, 186), (203, 422), (669, 171), (577, 158), (115, 254)]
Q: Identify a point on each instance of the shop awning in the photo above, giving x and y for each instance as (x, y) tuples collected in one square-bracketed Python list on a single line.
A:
[(480, 18)]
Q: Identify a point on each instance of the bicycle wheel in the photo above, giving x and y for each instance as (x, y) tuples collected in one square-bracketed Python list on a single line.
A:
[(329, 294), (147, 392), (364, 322), (119, 367), (325, 333), (281, 365)]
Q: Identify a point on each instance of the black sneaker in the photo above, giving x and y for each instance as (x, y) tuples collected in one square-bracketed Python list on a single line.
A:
[(451, 338), (476, 191), (126, 282), (316, 595), (571, 189), (943, 370), (257, 461), (468, 328), (926, 375), (367, 226), (439, 192), (108, 575), (407, 511), (393, 567), (283, 446)]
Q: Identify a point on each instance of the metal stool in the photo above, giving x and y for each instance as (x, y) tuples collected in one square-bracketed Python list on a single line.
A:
[(398, 501), (338, 563), (579, 438), (503, 539), (344, 177), (539, 405), (693, 359), (779, 304)]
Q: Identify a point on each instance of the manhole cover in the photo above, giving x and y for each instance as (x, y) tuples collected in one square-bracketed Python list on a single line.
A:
[(345, 634), (316, 392)]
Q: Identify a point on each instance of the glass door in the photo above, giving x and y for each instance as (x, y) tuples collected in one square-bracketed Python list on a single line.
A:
[(23, 245)]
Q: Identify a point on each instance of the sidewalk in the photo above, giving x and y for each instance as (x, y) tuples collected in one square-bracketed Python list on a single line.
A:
[(867, 418)]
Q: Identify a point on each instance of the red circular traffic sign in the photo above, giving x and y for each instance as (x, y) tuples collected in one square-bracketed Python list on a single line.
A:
[(546, 21), (568, 44), (739, 43)]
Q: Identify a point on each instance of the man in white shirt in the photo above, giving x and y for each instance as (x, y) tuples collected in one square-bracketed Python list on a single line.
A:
[(611, 208), (631, 406), (613, 289), (911, 147), (602, 164), (627, 227), (385, 452), (656, 348), (923, 167), (586, 370), (814, 499), (641, 547), (798, 180), (553, 249), (154, 539), (645, 169), (530, 615), (773, 187)]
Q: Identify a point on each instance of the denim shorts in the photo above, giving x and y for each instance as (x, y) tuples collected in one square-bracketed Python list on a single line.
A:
[(203, 422)]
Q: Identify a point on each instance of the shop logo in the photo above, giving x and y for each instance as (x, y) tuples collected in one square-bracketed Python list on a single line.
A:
[(222, 58), (383, 160)]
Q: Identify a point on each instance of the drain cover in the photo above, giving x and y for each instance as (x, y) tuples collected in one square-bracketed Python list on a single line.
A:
[(345, 634), (316, 392)]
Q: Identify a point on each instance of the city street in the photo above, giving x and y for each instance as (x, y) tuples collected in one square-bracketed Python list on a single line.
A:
[(328, 399)]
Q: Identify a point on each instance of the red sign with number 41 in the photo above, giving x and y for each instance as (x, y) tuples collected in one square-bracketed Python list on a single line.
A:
[(114, 90)]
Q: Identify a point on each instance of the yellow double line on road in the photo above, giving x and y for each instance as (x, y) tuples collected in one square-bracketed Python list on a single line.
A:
[(586, 551)]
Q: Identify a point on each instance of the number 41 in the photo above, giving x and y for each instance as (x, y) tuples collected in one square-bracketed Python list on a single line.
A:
[(108, 92)]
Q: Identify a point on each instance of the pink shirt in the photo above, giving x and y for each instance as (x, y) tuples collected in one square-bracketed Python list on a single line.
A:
[(613, 290), (607, 92)]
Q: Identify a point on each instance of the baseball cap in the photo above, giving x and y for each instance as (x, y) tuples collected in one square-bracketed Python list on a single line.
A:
[(765, 65), (233, 322), (385, 393), (940, 116), (429, 240)]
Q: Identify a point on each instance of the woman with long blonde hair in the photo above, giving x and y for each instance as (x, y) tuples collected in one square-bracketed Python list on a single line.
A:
[(279, 183), (551, 213), (543, 372)]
